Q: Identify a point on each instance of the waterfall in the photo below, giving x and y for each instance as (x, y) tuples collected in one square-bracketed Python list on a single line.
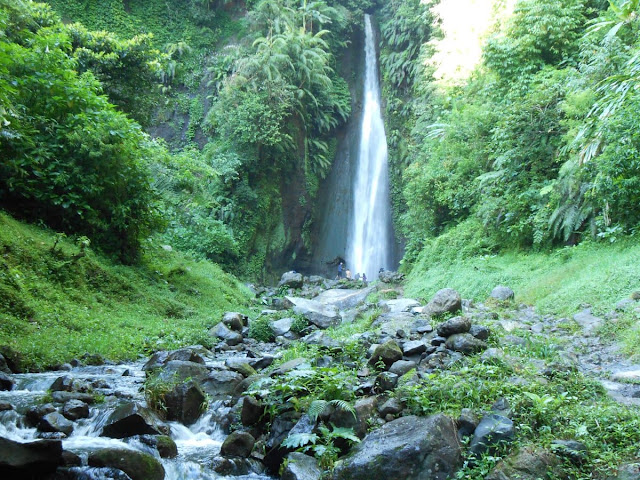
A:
[(370, 237)]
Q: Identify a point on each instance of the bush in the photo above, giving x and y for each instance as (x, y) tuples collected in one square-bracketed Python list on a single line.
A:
[(261, 330), (69, 158)]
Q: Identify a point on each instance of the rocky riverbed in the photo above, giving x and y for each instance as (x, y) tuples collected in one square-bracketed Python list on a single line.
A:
[(309, 402)]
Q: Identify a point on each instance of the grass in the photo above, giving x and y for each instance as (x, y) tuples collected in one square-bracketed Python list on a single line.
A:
[(555, 282), (58, 302)]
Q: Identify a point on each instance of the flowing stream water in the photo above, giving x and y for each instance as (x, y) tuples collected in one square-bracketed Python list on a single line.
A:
[(197, 444), (369, 246)]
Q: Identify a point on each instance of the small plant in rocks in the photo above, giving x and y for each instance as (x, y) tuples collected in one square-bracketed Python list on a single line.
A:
[(323, 446), (261, 330)]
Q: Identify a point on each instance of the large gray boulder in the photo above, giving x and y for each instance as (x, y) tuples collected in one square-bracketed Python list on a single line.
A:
[(75, 409), (224, 333), (492, 431), (502, 293), (221, 383), (291, 280), (55, 422), (465, 343), (409, 448), (321, 315), (138, 465), (343, 298), (301, 467), (454, 325), (238, 444), (131, 419), (282, 326), (387, 276), (6, 382), (444, 301), (185, 402), (236, 321), (29, 460), (176, 371), (388, 353)]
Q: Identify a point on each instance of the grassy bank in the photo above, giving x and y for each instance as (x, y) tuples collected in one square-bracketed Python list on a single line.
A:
[(557, 282), (59, 300)]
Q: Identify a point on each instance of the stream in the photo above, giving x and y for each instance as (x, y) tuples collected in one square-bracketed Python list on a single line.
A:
[(197, 444)]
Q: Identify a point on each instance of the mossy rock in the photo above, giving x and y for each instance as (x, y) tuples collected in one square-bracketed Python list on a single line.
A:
[(138, 465)]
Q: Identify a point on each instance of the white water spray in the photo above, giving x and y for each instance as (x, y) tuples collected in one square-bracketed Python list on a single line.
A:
[(369, 245)]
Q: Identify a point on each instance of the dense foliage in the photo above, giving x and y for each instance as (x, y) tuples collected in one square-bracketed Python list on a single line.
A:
[(69, 157), (540, 146)]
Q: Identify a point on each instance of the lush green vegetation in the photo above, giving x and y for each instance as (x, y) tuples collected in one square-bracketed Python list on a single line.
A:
[(541, 145), (60, 300)]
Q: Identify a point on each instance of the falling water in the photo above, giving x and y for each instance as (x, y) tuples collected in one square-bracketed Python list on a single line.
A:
[(369, 246)]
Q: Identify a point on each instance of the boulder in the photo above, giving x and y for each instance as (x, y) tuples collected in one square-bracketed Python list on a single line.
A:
[(131, 419), (454, 325), (164, 444), (366, 409), (629, 471), (221, 383), (156, 360), (393, 406), (409, 448), (55, 422), (252, 411), (185, 402), (238, 444), (444, 301), (344, 298), (301, 467), (235, 321), (176, 371), (35, 413), (138, 465), (480, 332), (280, 428), (467, 423), (282, 326), (402, 366), (64, 397), (385, 382), (6, 382), (321, 315), (387, 276), (291, 280), (421, 326), (414, 347), (241, 365), (388, 353), (30, 459), (224, 333), (194, 353), (63, 384), (75, 409), (502, 293), (527, 464), (4, 367), (493, 430), (465, 343)]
